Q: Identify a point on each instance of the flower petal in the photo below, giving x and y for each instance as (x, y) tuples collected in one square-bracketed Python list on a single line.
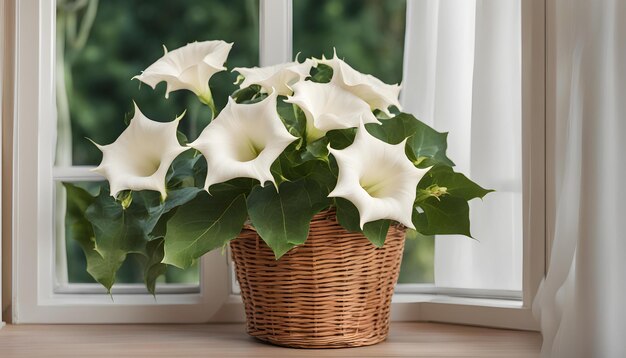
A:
[(243, 141), (328, 106), (377, 178), (280, 77), (141, 156), (375, 92), (189, 67)]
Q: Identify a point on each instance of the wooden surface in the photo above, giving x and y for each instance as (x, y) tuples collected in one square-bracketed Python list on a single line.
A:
[(405, 340)]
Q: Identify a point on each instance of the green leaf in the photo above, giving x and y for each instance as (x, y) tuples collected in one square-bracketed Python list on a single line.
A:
[(154, 267), (246, 94), (152, 209), (200, 171), (118, 232), (182, 138), (341, 138), (182, 171), (160, 228), (376, 231), (446, 215), (324, 173), (282, 168), (78, 228), (322, 73), (292, 116), (107, 232), (234, 187), (316, 150), (394, 130), (426, 146), (347, 215), (456, 184), (282, 218), (256, 99), (203, 224)]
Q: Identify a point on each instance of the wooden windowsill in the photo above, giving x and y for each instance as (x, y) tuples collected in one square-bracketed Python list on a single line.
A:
[(229, 340)]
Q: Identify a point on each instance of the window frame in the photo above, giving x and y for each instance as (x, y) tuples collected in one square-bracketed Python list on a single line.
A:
[(3, 103), (34, 298), (466, 306)]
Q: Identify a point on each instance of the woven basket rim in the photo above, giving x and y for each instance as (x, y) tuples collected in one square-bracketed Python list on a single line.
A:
[(331, 210)]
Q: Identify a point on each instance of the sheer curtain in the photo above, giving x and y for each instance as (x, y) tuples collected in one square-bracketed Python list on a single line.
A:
[(581, 302), (462, 74)]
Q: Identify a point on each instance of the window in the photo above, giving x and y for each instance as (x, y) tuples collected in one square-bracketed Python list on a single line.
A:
[(371, 36), (120, 39)]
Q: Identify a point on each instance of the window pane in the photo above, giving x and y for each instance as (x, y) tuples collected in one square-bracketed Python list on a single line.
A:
[(469, 84), (95, 64), (369, 35), (71, 255), (418, 260)]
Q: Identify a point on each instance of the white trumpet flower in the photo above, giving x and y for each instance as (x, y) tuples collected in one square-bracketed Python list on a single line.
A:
[(141, 156), (375, 92), (189, 67), (328, 106), (378, 178), (243, 141), (280, 77)]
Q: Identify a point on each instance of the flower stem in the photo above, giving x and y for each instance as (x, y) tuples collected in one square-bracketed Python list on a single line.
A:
[(207, 98)]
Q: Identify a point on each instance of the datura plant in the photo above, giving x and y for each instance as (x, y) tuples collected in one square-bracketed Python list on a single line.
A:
[(295, 139)]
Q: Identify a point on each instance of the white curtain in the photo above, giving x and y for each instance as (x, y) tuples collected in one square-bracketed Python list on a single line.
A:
[(582, 302), (462, 75)]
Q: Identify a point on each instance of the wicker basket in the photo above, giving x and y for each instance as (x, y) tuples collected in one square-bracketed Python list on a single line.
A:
[(332, 292)]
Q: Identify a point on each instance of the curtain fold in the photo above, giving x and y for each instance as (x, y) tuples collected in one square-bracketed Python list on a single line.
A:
[(463, 75), (580, 304)]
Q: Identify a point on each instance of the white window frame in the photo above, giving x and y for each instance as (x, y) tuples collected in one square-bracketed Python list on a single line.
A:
[(499, 308), (35, 299)]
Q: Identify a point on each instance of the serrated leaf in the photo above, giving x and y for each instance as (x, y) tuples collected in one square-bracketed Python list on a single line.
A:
[(78, 228), (117, 232), (456, 184), (160, 229), (282, 218), (394, 130), (154, 209), (426, 146), (376, 231), (154, 267), (203, 224), (446, 215)]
